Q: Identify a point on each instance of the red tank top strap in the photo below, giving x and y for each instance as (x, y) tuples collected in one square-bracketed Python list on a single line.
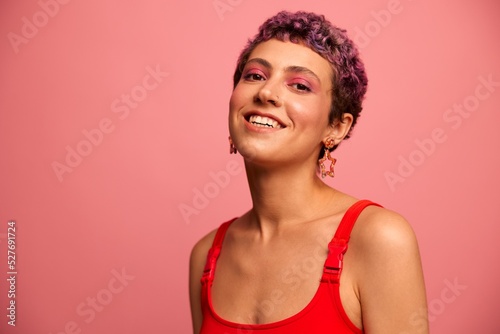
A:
[(221, 233), (213, 253), (338, 245), (347, 222)]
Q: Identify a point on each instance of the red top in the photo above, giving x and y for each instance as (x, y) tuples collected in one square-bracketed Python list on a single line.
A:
[(323, 314)]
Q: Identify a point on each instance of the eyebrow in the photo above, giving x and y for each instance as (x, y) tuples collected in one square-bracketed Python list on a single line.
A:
[(293, 68)]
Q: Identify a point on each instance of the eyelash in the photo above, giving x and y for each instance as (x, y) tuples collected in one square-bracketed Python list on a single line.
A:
[(304, 87), (253, 76)]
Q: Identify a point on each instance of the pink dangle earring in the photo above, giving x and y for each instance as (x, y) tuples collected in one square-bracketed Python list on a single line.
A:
[(329, 143), (232, 148)]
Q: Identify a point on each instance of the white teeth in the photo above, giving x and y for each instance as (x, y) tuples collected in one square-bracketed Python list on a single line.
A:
[(265, 122)]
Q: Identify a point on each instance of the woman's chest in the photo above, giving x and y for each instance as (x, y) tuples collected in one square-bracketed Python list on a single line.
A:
[(267, 285)]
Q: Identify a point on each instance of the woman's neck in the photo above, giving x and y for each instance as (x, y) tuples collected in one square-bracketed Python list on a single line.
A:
[(283, 197)]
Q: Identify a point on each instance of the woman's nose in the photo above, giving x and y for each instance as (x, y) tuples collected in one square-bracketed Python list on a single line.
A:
[(269, 94)]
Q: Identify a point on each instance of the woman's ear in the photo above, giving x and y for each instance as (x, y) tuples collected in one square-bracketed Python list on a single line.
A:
[(340, 128)]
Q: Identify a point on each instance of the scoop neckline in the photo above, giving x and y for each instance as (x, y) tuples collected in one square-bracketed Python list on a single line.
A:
[(267, 325)]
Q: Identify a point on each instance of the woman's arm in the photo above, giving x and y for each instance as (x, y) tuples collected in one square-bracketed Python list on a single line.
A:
[(391, 284), (196, 266)]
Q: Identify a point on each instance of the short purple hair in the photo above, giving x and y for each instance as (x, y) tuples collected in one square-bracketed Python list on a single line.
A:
[(349, 80)]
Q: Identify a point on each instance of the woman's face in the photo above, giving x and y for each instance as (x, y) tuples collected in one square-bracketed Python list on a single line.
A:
[(279, 108)]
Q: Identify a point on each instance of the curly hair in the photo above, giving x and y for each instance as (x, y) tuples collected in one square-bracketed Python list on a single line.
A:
[(349, 80)]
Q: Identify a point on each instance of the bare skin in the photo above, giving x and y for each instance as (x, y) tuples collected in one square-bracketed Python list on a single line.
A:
[(272, 256)]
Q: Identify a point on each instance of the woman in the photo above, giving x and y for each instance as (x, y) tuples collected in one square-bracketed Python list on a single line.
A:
[(283, 267)]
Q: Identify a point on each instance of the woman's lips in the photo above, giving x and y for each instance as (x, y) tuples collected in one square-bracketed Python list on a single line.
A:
[(262, 120)]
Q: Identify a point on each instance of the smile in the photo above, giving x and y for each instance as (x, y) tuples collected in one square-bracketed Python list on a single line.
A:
[(264, 122)]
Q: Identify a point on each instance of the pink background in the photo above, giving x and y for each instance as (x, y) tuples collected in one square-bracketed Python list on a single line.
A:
[(119, 208)]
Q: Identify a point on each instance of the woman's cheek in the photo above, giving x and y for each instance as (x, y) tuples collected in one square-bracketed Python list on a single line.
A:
[(238, 98), (233, 101)]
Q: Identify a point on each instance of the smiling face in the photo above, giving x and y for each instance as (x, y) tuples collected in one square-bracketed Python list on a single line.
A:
[(279, 108)]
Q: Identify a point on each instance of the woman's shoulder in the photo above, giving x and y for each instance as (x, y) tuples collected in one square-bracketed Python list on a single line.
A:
[(201, 248), (375, 226), (384, 242), (381, 227), (388, 268), (196, 265)]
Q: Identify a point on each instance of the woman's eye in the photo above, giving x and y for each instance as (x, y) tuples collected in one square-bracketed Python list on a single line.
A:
[(254, 77), (301, 87)]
